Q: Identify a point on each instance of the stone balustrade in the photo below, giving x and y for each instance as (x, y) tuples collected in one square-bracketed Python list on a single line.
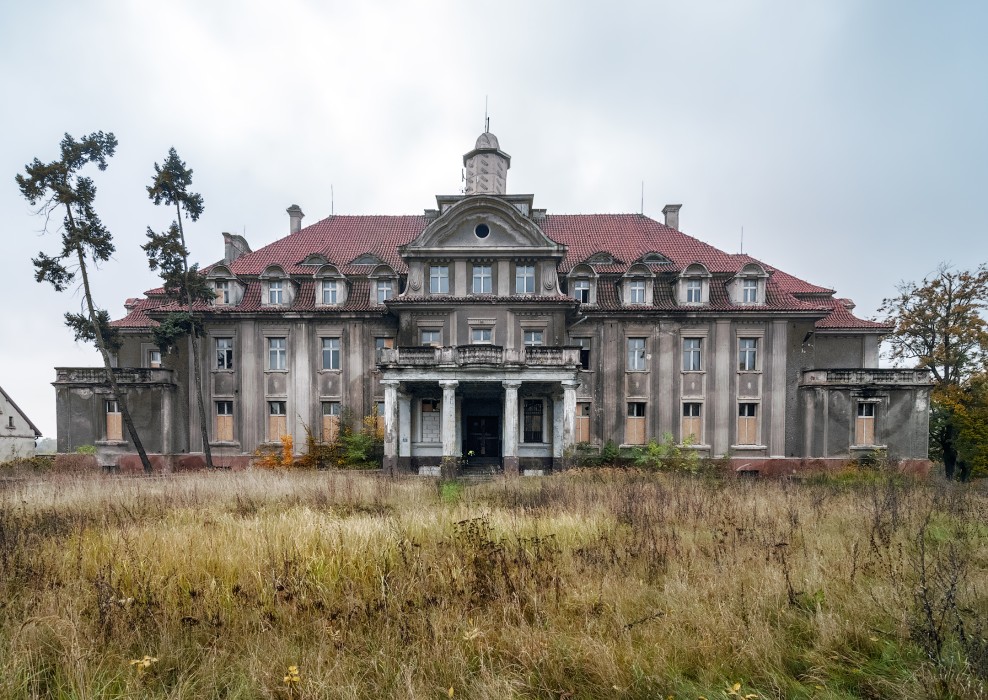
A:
[(467, 355), (866, 376), (123, 375)]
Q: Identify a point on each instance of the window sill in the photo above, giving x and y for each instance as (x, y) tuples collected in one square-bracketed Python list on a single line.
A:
[(111, 443), (224, 443), (276, 371), (743, 448), (222, 371), (330, 371), (867, 448)]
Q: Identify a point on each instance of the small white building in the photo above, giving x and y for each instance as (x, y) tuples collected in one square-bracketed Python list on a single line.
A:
[(17, 432)]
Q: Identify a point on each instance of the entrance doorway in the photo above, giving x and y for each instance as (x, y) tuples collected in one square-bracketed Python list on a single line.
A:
[(482, 444)]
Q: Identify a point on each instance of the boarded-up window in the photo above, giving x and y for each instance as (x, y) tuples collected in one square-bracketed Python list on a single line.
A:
[(224, 421), (634, 429), (330, 420), (277, 420), (582, 422), (747, 424), (533, 420), (864, 424), (692, 427), (114, 424)]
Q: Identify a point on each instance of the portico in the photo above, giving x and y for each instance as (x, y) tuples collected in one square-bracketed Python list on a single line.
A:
[(457, 409)]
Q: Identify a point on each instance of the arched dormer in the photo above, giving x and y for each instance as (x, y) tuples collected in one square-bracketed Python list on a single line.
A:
[(277, 288), (228, 289), (748, 286), (582, 284), (693, 285), (636, 286), (654, 258), (331, 289), (383, 284)]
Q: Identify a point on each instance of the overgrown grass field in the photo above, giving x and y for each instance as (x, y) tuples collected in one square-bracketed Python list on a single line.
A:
[(590, 584)]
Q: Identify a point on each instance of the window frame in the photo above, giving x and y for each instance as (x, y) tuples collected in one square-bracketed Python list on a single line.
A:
[(749, 288), (331, 288), (276, 288), (524, 274), (752, 440), (585, 343), (581, 290), (636, 292), (636, 362), (277, 355), (747, 354), (691, 411), (333, 346), (865, 422), (541, 432), (224, 361), (384, 290), (692, 355), (222, 290), (482, 274), (222, 414), (439, 279), (474, 340), (438, 340)]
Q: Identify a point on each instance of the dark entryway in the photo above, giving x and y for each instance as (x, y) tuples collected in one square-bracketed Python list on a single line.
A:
[(482, 440)]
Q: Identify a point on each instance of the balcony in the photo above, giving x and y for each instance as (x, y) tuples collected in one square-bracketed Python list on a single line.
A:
[(123, 375), (859, 377), (479, 355)]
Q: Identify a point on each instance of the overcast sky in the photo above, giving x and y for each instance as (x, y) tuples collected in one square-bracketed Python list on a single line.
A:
[(847, 138)]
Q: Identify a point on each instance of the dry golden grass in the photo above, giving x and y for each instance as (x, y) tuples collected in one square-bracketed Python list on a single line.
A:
[(596, 583)]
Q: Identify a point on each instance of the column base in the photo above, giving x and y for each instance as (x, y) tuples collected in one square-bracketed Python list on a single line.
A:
[(449, 467), (510, 466), (390, 466)]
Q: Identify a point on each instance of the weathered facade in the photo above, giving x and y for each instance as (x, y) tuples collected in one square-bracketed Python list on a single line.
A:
[(489, 330), (17, 432)]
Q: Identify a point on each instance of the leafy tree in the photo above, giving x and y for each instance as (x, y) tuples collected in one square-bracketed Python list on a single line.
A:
[(168, 253), (938, 324), (58, 185)]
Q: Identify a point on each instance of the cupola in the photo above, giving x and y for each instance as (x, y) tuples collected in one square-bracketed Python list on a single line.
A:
[(486, 167)]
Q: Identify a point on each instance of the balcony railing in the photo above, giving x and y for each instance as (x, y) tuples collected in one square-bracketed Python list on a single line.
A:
[(123, 375), (866, 376), (467, 355)]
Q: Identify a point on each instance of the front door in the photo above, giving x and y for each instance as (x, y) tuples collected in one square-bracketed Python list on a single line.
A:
[(483, 439)]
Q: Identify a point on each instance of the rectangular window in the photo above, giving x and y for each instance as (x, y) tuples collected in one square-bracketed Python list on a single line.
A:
[(532, 427), (381, 344), (691, 355), (431, 336), (481, 336), (524, 279), (222, 290), (439, 279), (747, 424), (277, 353), (749, 291), (636, 354), (224, 353), (114, 421), (584, 344), (692, 428), (636, 292), (154, 359), (275, 293), (694, 291), (330, 420), (864, 424), (330, 353), (379, 419), (430, 427), (747, 354), (224, 421), (385, 290), (330, 292), (582, 422), (634, 429), (533, 338), (481, 279), (277, 420), (581, 291)]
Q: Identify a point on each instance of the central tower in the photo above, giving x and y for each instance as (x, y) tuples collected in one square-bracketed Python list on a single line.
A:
[(486, 167)]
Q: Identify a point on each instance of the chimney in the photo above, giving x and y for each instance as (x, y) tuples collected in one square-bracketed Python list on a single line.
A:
[(233, 247), (671, 212), (295, 218)]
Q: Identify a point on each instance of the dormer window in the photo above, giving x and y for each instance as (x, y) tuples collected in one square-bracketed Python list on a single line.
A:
[(222, 289), (748, 287), (276, 293), (581, 291), (330, 292), (694, 291), (693, 287), (636, 292), (385, 290), (637, 286)]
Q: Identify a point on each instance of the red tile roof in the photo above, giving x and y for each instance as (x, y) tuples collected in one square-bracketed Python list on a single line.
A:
[(841, 318), (627, 237)]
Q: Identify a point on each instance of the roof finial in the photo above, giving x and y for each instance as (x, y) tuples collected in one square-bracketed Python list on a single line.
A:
[(487, 119)]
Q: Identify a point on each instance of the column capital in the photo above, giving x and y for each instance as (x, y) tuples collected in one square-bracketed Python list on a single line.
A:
[(511, 383), (449, 383), (390, 382), (570, 383)]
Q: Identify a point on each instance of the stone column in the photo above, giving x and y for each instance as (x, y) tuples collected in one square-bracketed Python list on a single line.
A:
[(509, 443), (390, 426), (451, 451), (404, 431), (569, 418)]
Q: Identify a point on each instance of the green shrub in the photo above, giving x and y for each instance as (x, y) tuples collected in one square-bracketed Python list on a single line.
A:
[(668, 455)]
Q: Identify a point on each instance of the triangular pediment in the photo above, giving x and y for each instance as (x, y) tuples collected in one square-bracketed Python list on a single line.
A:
[(483, 224)]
